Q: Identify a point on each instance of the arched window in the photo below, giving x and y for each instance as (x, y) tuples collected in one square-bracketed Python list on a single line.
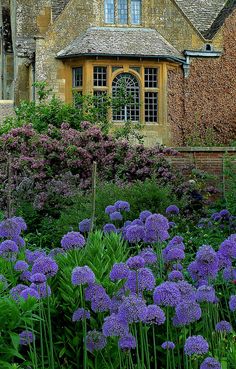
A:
[(125, 86)]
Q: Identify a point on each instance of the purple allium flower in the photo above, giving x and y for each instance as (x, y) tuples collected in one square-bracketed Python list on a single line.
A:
[(205, 294), (174, 254), (116, 216), (175, 276), (100, 303), (119, 271), (21, 223), (43, 289), (82, 275), (232, 303), (224, 213), (210, 363), (135, 233), (159, 225), (186, 313), (110, 209), (38, 278), (144, 215), (115, 325), (196, 345), (172, 209), (25, 276), (168, 345), (177, 266), (21, 266), (167, 294), (16, 291), (229, 273), (127, 342), (29, 292), (45, 265), (135, 262), (194, 271), (172, 224), (19, 241), (122, 205), (80, 314), (140, 280), (108, 228), (93, 290), (224, 327), (137, 222), (26, 338), (32, 256), (176, 241), (8, 249), (95, 341), (228, 247), (187, 291), (116, 301), (85, 225), (133, 309), (56, 251), (72, 240), (208, 261), (155, 315), (216, 217), (9, 228), (149, 255)]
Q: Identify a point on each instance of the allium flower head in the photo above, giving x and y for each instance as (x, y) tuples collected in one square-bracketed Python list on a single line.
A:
[(46, 266), (228, 248), (19, 241), (72, 240), (208, 261), (144, 215), (174, 254), (122, 205), (16, 291), (94, 290), (100, 303), (25, 276), (80, 314), (216, 217), (205, 294), (210, 363), (56, 251), (149, 255), (224, 213), (8, 249), (135, 262), (38, 278), (82, 275), (108, 228), (32, 256), (116, 216), (155, 315), (140, 280), (29, 292), (9, 228), (172, 209), (232, 303), (127, 342), (110, 209), (224, 327), (21, 266), (133, 309), (43, 289), (229, 273), (26, 338), (186, 313), (21, 223), (168, 345), (175, 276), (95, 341), (85, 225), (134, 233), (158, 225), (119, 271), (114, 325), (187, 291), (167, 294), (177, 266), (196, 345)]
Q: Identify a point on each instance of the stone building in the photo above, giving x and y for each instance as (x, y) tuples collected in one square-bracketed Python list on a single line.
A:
[(176, 57)]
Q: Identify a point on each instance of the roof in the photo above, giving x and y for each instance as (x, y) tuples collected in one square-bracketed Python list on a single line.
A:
[(207, 16), (120, 41)]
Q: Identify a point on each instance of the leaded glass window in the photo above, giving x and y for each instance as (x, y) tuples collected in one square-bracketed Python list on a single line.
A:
[(135, 11), (122, 11), (150, 77), (109, 10), (100, 76), (126, 86), (151, 107), (77, 76)]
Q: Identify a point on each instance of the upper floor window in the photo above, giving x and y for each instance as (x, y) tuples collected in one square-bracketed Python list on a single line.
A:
[(122, 11)]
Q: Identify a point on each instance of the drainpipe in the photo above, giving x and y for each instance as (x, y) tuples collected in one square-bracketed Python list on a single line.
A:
[(33, 80), (2, 62)]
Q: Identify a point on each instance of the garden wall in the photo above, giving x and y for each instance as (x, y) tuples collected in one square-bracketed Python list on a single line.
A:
[(6, 109)]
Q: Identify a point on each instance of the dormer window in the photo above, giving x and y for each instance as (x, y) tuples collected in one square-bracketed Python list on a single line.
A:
[(122, 12)]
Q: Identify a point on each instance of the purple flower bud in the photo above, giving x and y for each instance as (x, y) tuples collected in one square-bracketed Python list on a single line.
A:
[(108, 228), (210, 363), (116, 216), (26, 338), (168, 345), (223, 327), (85, 225), (232, 303)]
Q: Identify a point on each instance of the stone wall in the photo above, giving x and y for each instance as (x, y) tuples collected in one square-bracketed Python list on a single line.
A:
[(6, 109), (205, 102)]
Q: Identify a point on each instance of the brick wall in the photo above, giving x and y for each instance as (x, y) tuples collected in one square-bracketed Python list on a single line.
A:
[(6, 109)]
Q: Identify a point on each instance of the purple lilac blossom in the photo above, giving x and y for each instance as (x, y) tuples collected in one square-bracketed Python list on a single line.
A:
[(134, 233), (232, 303), (38, 278), (135, 262), (155, 315), (196, 345), (149, 255), (26, 338), (29, 292), (114, 325), (45, 265), (32, 256), (175, 276), (140, 280), (116, 216), (144, 215), (8, 249), (43, 289), (210, 363), (110, 209), (172, 209), (186, 313), (16, 291), (9, 228), (167, 294), (127, 342), (119, 271), (80, 314), (95, 341), (133, 309), (82, 275), (21, 266), (205, 294), (85, 225), (108, 228), (122, 205), (223, 327), (72, 240), (168, 345)]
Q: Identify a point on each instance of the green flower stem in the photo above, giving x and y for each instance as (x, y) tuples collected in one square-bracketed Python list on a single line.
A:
[(84, 329)]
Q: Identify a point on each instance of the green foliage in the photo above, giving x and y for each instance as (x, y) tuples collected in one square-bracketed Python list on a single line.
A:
[(201, 135), (230, 183)]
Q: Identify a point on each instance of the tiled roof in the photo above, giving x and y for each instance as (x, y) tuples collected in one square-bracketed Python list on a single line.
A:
[(203, 14), (120, 41)]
